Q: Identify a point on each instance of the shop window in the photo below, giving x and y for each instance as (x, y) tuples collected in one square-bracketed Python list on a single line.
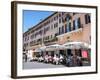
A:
[(62, 53), (78, 52), (52, 53), (69, 52)]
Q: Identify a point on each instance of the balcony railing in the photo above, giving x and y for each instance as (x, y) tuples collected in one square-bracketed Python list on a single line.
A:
[(51, 40), (73, 29), (35, 43), (44, 41)]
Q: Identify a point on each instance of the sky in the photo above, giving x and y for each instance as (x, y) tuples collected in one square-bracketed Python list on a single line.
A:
[(31, 18)]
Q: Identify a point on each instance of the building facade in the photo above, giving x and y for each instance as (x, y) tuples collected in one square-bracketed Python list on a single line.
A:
[(59, 28)]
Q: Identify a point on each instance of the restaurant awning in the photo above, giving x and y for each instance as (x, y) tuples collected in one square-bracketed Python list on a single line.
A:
[(38, 50), (55, 47), (43, 48), (76, 45)]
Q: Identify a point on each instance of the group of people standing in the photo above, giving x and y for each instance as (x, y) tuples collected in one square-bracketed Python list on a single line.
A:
[(74, 60)]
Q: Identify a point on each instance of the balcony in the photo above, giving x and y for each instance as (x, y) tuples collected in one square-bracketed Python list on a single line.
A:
[(80, 28), (51, 40), (37, 42)]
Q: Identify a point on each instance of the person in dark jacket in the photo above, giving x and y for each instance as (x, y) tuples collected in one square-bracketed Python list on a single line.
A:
[(25, 57), (79, 61)]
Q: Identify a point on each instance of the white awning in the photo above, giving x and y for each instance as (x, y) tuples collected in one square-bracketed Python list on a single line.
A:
[(76, 45), (55, 47), (38, 50), (43, 48)]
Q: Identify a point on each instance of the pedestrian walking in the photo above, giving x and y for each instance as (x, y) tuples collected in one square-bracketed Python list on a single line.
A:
[(69, 61), (79, 61), (25, 57)]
